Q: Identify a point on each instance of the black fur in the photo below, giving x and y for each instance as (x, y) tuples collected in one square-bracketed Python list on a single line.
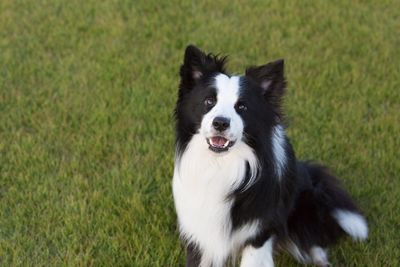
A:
[(319, 193), (296, 207), (189, 107)]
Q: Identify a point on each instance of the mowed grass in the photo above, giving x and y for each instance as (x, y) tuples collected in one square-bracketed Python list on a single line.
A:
[(87, 91)]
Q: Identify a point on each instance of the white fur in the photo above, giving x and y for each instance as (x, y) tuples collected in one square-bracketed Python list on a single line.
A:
[(202, 181), (298, 254), (227, 96), (258, 257), (352, 223), (278, 147), (228, 90), (319, 256)]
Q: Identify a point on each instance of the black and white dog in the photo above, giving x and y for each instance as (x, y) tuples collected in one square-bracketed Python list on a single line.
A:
[(237, 185)]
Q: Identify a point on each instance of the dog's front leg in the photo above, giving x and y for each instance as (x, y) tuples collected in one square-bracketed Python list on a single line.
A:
[(258, 256)]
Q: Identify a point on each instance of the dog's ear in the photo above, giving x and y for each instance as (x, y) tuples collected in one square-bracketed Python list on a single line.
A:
[(193, 62), (270, 78), (197, 64)]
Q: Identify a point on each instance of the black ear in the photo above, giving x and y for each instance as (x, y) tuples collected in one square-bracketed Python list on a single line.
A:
[(269, 77), (193, 62), (196, 64)]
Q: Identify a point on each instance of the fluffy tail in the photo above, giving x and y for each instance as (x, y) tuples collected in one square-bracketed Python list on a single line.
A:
[(337, 202), (324, 211), (352, 223)]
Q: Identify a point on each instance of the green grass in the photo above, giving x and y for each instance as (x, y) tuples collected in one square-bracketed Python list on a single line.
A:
[(87, 90)]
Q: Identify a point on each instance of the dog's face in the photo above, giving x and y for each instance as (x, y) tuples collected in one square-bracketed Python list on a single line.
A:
[(224, 109)]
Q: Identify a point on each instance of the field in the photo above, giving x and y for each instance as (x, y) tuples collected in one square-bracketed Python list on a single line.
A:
[(87, 90)]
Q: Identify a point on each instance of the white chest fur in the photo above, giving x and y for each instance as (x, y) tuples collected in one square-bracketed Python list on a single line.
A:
[(201, 184)]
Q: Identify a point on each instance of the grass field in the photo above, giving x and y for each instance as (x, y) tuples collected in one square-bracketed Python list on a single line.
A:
[(87, 90)]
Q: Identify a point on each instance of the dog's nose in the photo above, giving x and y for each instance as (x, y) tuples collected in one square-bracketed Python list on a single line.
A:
[(221, 123)]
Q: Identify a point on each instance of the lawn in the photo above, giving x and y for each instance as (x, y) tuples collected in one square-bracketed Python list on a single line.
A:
[(87, 90)]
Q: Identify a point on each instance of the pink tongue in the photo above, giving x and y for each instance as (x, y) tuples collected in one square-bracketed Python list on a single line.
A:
[(218, 141)]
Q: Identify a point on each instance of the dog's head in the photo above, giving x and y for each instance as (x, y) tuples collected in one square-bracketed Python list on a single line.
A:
[(226, 109)]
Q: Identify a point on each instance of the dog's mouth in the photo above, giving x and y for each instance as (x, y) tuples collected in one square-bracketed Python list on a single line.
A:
[(219, 144)]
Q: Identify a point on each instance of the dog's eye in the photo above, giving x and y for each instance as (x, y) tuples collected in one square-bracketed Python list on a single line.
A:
[(209, 102), (241, 106)]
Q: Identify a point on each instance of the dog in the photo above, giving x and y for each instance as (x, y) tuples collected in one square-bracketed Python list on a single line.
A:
[(239, 191)]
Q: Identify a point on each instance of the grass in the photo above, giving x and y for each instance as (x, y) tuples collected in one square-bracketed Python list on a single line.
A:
[(87, 90)]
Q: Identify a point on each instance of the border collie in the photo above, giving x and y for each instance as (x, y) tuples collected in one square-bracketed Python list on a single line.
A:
[(238, 188)]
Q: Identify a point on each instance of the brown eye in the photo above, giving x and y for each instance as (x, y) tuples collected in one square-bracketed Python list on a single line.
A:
[(241, 107), (209, 102)]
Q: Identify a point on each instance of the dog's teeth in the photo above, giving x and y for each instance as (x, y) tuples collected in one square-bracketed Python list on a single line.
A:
[(226, 144), (216, 142)]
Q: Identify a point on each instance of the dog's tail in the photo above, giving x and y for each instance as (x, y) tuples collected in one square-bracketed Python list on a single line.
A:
[(324, 211), (337, 202)]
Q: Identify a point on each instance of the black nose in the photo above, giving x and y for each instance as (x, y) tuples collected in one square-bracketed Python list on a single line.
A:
[(221, 123)]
